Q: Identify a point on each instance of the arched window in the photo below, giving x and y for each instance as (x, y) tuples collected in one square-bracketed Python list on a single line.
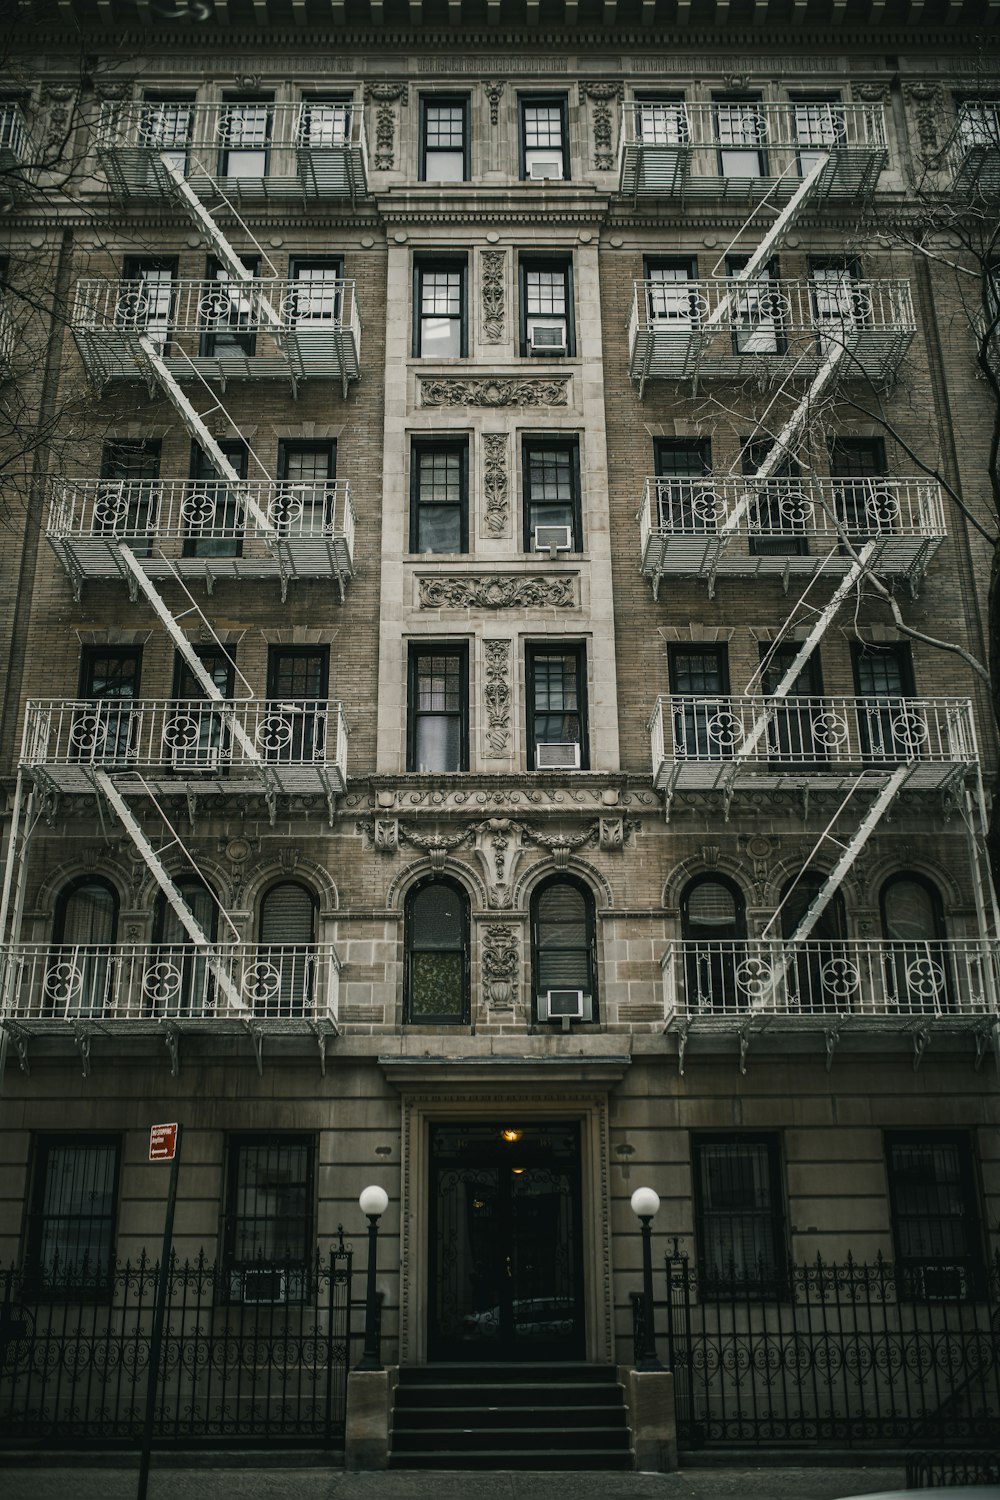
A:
[(179, 982), (822, 975), (78, 974), (562, 947), (713, 925), (917, 966), (285, 978), (437, 953)]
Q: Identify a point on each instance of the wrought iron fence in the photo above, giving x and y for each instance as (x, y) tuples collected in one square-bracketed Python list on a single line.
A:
[(848, 1354), (930, 1470), (250, 1353)]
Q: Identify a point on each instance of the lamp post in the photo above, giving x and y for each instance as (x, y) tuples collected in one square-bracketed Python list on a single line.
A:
[(645, 1204), (374, 1202)]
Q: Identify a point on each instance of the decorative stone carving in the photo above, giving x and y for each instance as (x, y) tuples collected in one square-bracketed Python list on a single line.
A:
[(497, 696), (494, 88), (927, 103), (385, 835), (288, 858), (492, 591), (500, 962), (496, 484), (613, 833), (493, 278), (498, 845), (57, 98), (248, 83), (385, 95), (488, 392), (737, 83), (600, 96), (558, 845), (871, 93)]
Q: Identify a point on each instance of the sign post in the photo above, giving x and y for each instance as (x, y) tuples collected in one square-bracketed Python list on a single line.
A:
[(164, 1145)]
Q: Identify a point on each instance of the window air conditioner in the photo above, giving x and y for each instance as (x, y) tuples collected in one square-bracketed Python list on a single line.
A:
[(195, 758), (262, 1286), (547, 338), (565, 1006), (549, 168), (553, 539), (561, 755)]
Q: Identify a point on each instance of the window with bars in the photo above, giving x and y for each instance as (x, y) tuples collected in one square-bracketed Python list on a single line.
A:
[(269, 1216), (557, 707), (437, 953), (72, 1216), (544, 144), (739, 1213), (563, 953), (547, 322), (439, 496), (444, 139), (934, 1206), (438, 708), (439, 309), (551, 473)]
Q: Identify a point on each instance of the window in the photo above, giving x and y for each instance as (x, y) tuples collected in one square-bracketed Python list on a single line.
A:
[(437, 953), (864, 507), (286, 957), (213, 515), (298, 680), (888, 728), (319, 286), (439, 309), (444, 139), (661, 120), (325, 121), (268, 1222), (146, 298), (557, 707), (547, 322), (935, 1213), (699, 680), (78, 975), (128, 497), (917, 966), (840, 302), (819, 124), (245, 134), (669, 297), (196, 736), (741, 133), (756, 309), (551, 469), (821, 976), (438, 708), (166, 126), (713, 926), (686, 499), (563, 943), (73, 1208), (778, 512), (739, 1216), (306, 494), (979, 123), (544, 144), (180, 984), (109, 676), (228, 313), (792, 736), (439, 496)]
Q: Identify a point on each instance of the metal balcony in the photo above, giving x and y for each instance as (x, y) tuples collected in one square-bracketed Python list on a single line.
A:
[(972, 156), (220, 330), (13, 137), (786, 528), (203, 530), (767, 329), (832, 987), (259, 149), (719, 744), (742, 151), (190, 746)]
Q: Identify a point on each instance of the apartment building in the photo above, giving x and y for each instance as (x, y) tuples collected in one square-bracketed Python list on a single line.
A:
[(473, 722)]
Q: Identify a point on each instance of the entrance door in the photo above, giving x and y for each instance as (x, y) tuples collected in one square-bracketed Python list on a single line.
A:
[(505, 1253)]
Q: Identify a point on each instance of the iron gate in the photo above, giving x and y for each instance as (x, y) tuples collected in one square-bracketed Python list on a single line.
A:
[(254, 1354), (844, 1354)]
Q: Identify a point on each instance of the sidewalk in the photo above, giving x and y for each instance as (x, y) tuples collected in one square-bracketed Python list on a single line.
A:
[(242, 1479)]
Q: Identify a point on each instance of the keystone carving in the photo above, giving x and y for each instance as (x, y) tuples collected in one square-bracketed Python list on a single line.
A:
[(497, 696), (385, 835), (486, 392), (496, 484), (600, 96), (493, 268), (500, 961), (494, 88), (517, 591)]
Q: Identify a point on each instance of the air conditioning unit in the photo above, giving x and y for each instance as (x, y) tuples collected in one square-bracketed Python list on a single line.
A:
[(553, 539), (263, 1286), (547, 338), (549, 168), (562, 755), (565, 1006), (195, 757)]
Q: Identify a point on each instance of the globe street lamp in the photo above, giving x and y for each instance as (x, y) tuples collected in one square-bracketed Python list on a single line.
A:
[(373, 1201), (645, 1204)]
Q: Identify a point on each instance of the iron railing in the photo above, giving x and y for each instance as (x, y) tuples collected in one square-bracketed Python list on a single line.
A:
[(822, 1353), (949, 1467), (225, 310), (55, 984), (972, 154), (257, 1354)]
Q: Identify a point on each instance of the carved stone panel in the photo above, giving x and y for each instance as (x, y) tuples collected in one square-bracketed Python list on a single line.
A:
[(493, 591), (500, 965), (496, 485), (493, 278), (501, 392), (497, 697), (601, 96), (385, 96)]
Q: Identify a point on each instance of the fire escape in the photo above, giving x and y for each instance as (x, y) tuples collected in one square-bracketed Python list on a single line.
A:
[(135, 755)]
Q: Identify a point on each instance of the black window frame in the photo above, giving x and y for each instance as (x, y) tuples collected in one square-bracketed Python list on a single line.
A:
[(296, 1267), (428, 445), (735, 98), (418, 651), (768, 1280), (527, 101), (646, 98), (72, 1287), (428, 101), (134, 271), (327, 446), (554, 646), (693, 712), (869, 463), (676, 497), (768, 275), (424, 264), (931, 1277), (267, 101), (541, 443), (201, 471), (551, 265), (753, 452), (234, 336), (651, 264), (902, 652), (710, 969), (334, 262), (410, 947), (90, 655), (590, 944), (803, 99)]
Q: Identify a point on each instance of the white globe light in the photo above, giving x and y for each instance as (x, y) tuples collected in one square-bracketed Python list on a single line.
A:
[(644, 1203), (374, 1201)]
